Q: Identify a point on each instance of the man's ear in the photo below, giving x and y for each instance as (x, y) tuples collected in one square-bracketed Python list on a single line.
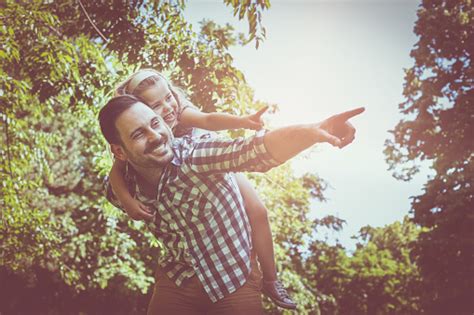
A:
[(118, 152)]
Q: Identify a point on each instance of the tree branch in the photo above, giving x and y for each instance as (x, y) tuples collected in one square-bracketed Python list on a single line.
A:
[(92, 23)]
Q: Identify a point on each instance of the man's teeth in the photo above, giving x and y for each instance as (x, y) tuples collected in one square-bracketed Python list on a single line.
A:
[(160, 147)]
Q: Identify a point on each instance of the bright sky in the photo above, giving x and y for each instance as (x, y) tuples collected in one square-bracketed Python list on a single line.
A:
[(324, 57)]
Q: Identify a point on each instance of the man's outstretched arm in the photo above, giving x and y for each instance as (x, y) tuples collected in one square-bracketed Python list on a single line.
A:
[(284, 143), (267, 150)]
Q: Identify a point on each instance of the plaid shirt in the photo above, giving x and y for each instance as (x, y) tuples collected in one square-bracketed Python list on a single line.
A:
[(200, 216)]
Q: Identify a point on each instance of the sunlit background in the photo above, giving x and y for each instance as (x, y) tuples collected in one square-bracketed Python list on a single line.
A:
[(66, 250), (324, 57)]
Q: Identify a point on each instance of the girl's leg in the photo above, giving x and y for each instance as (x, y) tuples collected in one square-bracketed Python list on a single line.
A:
[(263, 243), (261, 232)]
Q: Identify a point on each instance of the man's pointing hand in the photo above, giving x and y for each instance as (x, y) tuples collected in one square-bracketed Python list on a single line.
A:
[(337, 130)]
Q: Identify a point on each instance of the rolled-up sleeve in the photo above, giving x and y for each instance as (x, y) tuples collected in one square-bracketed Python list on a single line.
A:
[(109, 193), (231, 155)]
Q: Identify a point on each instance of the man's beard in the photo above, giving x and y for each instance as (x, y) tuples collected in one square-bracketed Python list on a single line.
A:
[(152, 146), (146, 161)]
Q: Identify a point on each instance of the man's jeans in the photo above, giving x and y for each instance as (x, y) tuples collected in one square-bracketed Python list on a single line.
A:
[(191, 298)]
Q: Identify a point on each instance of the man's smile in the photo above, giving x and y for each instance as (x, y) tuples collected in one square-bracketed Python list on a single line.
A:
[(157, 147)]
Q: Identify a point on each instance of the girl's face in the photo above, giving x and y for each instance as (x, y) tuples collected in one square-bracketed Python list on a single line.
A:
[(163, 102)]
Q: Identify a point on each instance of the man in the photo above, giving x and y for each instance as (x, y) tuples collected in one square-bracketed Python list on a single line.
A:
[(199, 213)]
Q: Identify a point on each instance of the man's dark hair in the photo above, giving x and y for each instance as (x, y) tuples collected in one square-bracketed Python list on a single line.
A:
[(110, 112)]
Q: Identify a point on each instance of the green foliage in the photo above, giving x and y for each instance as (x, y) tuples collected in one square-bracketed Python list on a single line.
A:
[(252, 10), (438, 127), (379, 277), (155, 34), (52, 217)]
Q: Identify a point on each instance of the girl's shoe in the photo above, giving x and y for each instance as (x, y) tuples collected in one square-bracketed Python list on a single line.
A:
[(277, 293)]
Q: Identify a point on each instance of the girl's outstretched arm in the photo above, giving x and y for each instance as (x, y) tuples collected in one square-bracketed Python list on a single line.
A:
[(135, 209), (193, 117)]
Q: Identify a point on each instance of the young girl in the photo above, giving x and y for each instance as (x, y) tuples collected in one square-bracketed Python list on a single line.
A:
[(182, 117)]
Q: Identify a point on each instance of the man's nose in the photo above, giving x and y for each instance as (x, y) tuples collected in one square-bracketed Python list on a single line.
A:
[(153, 135)]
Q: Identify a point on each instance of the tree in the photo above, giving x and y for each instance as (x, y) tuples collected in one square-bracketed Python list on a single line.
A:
[(378, 278), (438, 127)]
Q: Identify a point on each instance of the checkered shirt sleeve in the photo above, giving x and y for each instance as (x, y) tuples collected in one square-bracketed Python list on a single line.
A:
[(231, 155)]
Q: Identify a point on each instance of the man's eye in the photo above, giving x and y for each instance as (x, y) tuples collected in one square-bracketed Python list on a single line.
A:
[(155, 124), (155, 106), (168, 98), (138, 135)]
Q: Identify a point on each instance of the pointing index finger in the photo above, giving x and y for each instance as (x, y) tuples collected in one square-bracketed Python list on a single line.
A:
[(350, 113)]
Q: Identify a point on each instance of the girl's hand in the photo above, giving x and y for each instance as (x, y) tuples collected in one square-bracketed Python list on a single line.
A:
[(138, 211), (254, 121)]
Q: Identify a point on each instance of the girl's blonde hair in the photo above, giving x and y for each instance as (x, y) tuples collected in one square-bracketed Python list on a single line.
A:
[(144, 79)]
